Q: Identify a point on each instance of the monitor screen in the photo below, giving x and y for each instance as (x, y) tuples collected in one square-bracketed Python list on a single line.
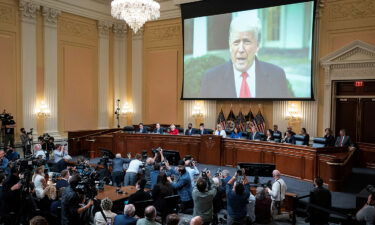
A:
[(263, 53)]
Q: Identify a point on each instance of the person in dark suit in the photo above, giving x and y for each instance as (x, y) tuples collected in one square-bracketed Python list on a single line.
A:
[(319, 196), (140, 194), (63, 182), (289, 137), (306, 138), (158, 129), (128, 217), (202, 130), (276, 130), (290, 129), (189, 130), (343, 140), (254, 135), (244, 76), (141, 129), (330, 139), (269, 135)]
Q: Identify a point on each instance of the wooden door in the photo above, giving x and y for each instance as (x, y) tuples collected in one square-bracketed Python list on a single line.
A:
[(367, 131), (347, 117)]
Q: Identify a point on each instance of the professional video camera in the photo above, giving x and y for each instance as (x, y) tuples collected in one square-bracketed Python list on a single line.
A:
[(89, 185), (29, 163), (371, 188), (218, 172), (45, 137), (6, 117)]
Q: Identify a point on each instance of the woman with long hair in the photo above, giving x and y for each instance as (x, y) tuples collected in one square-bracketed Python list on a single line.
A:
[(39, 182)]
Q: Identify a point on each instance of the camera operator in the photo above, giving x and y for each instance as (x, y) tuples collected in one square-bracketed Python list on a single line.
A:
[(132, 171), (203, 195), (26, 141), (238, 192), (72, 203), (183, 187), (367, 213), (118, 164), (277, 193), (225, 177), (191, 168), (61, 157), (9, 126)]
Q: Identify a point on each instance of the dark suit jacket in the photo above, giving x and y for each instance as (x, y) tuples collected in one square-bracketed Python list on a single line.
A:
[(189, 132), (321, 197), (143, 131), (347, 142), (290, 140), (255, 136), (330, 140), (160, 131), (270, 79), (204, 132)]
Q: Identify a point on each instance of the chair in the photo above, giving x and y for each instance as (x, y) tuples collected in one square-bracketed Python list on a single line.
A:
[(172, 206), (228, 132), (300, 139), (319, 142), (140, 207), (180, 130), (195, 131), (128, 129), (209, 131)]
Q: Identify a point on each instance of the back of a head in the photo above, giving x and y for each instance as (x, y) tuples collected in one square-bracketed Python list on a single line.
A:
[(106, 204), (150, 213), (38, 220), (239, 188), (142, 183), (201, 184), (319, 182), (64, 173), (162, 178), (74, 180), (172, 219), (129, 210), (196, 221), (138, 156)]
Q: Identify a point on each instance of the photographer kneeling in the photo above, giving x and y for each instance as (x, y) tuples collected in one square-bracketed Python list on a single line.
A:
[(71, 203)]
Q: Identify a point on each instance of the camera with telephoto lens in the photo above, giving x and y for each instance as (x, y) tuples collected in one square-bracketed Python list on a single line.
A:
[(89, 185), (5, 117), (218, 172)]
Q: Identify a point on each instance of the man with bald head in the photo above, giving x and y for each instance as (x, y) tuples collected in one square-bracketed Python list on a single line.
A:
[(244, 76), (197, 220), (277, 192), (150, 216)]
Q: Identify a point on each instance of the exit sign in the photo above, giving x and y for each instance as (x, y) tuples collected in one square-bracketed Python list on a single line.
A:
[(358, 83)]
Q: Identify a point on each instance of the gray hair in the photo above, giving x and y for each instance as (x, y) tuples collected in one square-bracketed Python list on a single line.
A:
[(118, 155), (244, 23), (106, 204), (129, 210), (225, 173)]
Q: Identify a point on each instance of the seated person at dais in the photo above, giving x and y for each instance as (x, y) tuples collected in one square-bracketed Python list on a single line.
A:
[(189, 130), (289, 138), (343, 140), (254, 135), (220, 131), (306, 139), (158, 129), (173, 130), (141, 129), (330, 139), (269, 135), (235, 134)]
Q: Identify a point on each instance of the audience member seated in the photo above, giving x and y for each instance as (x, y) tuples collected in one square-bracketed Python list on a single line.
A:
[(220, 131), (183, 187), (203, 196), (276, 130), (128, 217), (39, 182), (141, 129), (202, 130), (132, 171), (106, 205), (60, 153), (140, 194), (254, 135), (238, 193), (39, 152), (343, 140), (38, 220), (158, 129), (235, 134), (50, 195), (319, 196), (269, 135), (173, 130), (11, 154), (162, 189), (118, 165), (197, 220), (277, 193), (172, 219), (330, 139), (150, 216), (289, 138), (64, 180), (289, 128), (55, 208), (306, 139), (367, 213), (189, 130), (263, 206)]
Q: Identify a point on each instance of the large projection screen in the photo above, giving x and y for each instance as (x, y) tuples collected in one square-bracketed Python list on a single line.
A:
[(261, 53)]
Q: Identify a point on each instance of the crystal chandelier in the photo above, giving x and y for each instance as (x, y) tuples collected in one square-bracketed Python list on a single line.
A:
[(135, 12)]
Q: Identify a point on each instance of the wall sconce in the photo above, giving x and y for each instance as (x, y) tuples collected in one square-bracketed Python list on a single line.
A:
[(127, 109), (43, 111), (293, 112), (197, 111)]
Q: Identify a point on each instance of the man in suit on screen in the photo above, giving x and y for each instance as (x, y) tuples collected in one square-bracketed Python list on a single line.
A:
[(244, 76)]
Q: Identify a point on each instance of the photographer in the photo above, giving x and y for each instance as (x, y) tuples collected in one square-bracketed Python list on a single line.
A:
[(9, 126), (192, 169), (72, 203), (132, 171), (367, 213), (238, 192), (277, 193), (203, 195), (61, 157), (183, 187), (118, 169), (26, 140)]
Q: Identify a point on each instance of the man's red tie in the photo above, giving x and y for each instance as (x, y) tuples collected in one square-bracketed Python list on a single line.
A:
[(245, 90)]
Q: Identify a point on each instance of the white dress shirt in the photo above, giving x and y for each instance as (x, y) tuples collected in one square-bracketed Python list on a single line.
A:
[(221, 133), (250, 80), (276, 194), (134, 166)]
